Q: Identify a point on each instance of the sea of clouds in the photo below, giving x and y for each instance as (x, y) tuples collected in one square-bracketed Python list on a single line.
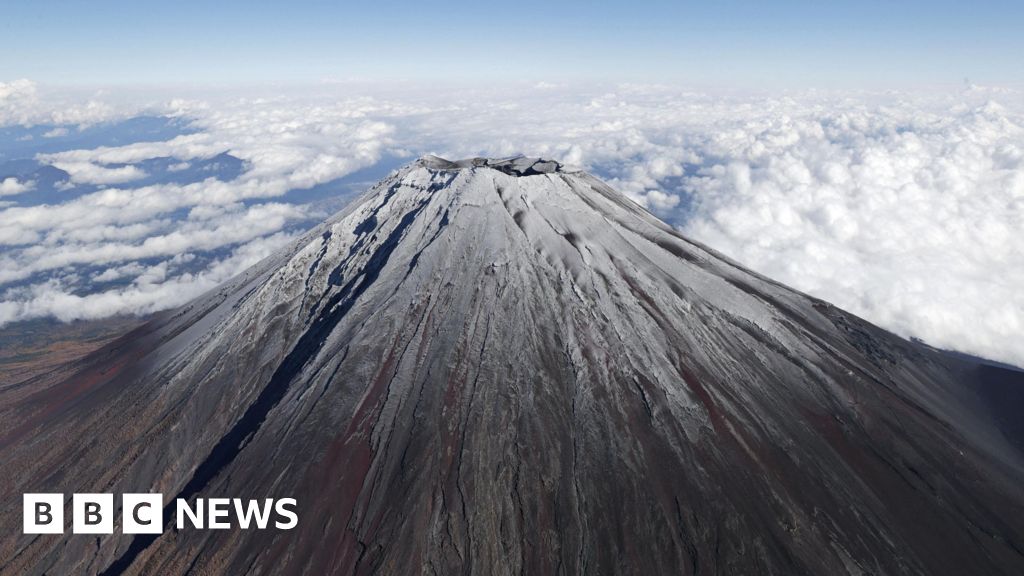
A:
[(906, 209)]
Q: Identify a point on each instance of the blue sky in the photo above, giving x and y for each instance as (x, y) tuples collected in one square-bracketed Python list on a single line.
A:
[(866, 43)]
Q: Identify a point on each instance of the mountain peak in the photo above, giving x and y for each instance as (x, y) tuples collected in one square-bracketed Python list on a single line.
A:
[(513, 166)]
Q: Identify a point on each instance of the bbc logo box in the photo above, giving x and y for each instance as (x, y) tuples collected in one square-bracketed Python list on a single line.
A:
[(92, 513), (43, 514), (144, 513)]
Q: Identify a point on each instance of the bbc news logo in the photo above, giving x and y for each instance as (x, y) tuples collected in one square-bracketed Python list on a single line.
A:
[(144, 513)]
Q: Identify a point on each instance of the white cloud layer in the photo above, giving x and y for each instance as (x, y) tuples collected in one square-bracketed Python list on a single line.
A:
[(153, 289), (905, 209), (22, 103), (89, 173), (912, 221), (10, 186)]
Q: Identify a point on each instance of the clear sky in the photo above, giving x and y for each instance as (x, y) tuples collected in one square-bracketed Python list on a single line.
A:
[(735, 43)]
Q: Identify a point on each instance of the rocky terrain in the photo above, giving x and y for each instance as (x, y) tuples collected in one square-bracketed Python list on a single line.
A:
[(507, 367), (35, 347)]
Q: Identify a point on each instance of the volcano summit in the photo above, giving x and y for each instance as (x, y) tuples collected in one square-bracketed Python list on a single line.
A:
[(507, 367)]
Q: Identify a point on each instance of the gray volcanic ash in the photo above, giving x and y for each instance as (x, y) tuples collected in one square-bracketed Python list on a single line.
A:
[(506, 367)]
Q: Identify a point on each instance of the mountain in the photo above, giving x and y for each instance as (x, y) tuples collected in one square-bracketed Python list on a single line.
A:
[(507, 367)]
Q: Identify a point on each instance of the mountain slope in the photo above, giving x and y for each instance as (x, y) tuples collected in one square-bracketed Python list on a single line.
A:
[(505, 367)]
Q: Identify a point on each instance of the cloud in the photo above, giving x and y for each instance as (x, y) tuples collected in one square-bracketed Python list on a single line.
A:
[(660, 201), (11, 186), (89, 173), (908, 219), (184, 147), (17, 100), (154, 289), (104, 245), (22, 102)]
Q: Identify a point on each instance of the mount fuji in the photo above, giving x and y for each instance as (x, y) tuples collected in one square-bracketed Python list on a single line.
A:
[(507, 367)]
